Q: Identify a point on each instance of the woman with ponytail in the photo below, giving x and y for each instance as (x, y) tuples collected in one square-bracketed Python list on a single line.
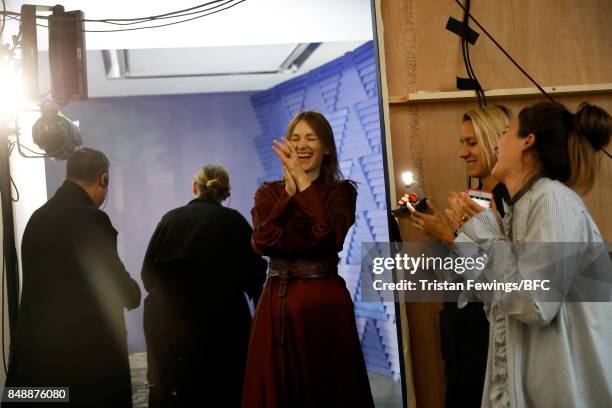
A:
[(197, 268), (546, 348)]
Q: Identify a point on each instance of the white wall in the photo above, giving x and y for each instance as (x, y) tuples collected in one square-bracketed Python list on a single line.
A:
[(29, 177)]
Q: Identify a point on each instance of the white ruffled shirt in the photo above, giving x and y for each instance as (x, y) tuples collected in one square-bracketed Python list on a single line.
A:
[(542, 354)]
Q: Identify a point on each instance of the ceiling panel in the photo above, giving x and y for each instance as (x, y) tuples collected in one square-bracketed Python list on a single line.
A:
[(208, 60), (100, 86)]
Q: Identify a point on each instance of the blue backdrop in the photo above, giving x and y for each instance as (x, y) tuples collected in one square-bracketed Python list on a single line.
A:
[(156, 143)]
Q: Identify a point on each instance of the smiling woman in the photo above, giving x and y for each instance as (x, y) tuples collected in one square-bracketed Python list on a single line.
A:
[(311, 135), (541, 161), (480, 131), (308, 146), (304, 348)]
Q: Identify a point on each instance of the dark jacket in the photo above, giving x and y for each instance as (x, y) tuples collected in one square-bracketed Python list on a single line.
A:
[(71, 329), (198, 266), (465, 340)]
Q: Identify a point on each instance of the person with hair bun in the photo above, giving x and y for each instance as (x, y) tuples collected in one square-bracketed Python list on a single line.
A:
[(544, 351), (304, 350), (197, 269)]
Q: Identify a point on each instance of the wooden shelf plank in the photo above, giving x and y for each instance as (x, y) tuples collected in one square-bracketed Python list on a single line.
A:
[(464, 96)]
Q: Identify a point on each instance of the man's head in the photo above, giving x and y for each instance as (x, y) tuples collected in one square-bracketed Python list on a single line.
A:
[(89, 169)]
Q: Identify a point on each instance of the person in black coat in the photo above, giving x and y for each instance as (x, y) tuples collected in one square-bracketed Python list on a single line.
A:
[(197, 269), (71, 330)]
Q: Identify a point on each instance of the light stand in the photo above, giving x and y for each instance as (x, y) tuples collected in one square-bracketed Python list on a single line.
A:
[(9, 248)]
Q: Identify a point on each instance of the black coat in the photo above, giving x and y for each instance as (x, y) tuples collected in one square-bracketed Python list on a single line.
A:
[(71, 328), (197, 268)]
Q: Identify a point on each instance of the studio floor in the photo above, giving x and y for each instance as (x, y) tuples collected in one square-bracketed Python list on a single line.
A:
[(386, 392)]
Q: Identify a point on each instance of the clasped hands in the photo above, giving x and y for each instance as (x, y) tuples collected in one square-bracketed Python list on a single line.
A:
[(462, 209), (294, 174)]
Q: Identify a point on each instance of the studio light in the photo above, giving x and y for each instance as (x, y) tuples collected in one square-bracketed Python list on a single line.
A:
[(11, 90), (408, 178), (54, 133)]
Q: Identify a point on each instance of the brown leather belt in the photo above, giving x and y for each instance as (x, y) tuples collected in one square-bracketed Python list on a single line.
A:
[(302, 269)]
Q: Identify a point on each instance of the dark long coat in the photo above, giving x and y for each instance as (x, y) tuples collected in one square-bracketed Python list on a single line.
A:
[(198, 267), (71, 328)]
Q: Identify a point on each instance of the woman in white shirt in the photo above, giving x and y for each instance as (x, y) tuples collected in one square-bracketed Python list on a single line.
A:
[(544, 351)]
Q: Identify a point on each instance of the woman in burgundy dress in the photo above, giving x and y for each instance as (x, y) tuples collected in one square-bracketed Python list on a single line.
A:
[(304, 350)]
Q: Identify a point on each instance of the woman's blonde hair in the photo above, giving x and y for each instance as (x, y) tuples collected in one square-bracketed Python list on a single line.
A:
[(213, 182), (490, 122)]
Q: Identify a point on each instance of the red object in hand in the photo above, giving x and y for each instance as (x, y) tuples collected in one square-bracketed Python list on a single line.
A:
[(413, 198)]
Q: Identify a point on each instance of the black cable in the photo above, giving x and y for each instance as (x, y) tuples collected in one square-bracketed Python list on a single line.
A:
[(37, 154), (464, 43), (139, 20), (465, 49), (113, 22), (160, 25), (16, 190), (3, 18), (143, 19), (17, 142), (505, 52), (550, 98), (177, 13), (22, 154), (471, 74), (154, 17), (2, 311), (482, 101)]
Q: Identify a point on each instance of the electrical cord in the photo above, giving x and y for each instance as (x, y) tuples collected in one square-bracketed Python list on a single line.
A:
[(139, 20), (37, 155), (504, 51), (172, 14), (158, 18), (479, 91), (2, 311), (516, 64), (3, 18), (21, 146), (159, 25), (465, 50), (16, 190), (200, 15), (154, 17)]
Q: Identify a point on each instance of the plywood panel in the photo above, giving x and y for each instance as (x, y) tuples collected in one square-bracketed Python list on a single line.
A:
[(559, 42), (400, 45)]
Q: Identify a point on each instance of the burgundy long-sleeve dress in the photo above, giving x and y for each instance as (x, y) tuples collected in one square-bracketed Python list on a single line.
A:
[(304, 350)]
